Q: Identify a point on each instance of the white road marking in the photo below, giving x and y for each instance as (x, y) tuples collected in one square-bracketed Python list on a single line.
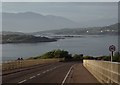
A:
[(54, 67), (51, 69), (22, 81), (38, 74), (66, 75), (48, 70), (32, 77), (44, 72)]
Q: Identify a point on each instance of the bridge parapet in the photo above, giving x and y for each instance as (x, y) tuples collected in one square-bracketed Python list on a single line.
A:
[(104, 71)]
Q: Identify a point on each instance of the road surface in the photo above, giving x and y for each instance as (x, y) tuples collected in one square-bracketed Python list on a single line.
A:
[(51, 73), (59, 73)]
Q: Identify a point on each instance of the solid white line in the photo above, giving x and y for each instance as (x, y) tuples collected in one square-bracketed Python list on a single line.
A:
[(67, 75), (22, 81)]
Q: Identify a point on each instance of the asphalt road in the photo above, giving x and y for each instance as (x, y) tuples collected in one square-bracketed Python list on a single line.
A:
[(51, 73)]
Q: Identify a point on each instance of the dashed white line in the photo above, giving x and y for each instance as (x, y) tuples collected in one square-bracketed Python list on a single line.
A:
[(44, 72), (38, 74), (32, 77), (66, 75), (48, 70), (22, 81), (54, 67)]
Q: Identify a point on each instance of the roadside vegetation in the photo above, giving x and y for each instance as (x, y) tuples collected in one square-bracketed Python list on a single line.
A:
[(54, 56), (116, 57), (63, 55)]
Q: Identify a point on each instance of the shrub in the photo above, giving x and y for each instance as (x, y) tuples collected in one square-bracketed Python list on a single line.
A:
[(78, 57), (88, 57)]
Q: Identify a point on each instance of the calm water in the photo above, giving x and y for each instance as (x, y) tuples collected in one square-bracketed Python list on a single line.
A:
[(88, 45)]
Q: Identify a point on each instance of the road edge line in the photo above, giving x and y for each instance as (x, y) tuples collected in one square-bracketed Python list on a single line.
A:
[(66, 75)]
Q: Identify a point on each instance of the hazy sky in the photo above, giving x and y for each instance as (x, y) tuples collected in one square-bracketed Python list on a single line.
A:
[(87, 14), (60, 0)]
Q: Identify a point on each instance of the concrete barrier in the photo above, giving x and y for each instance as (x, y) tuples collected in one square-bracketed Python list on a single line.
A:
[(104, 71), (11, 65)]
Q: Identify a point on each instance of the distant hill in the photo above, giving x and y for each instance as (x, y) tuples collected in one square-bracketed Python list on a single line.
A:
[(31, 20), (16, 38), (106, 30), (11, 33)]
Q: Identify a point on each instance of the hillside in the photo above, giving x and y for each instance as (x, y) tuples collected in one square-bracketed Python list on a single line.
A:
[(31, 20), (106, 30), (11, 33)]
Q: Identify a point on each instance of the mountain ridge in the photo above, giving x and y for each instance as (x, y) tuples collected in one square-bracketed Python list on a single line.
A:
[(31, 20), (111, 29)]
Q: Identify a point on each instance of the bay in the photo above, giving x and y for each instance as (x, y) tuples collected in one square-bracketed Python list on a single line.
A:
[(94, 45)]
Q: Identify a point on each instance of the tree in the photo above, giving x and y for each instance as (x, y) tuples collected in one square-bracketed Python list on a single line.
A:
[(66, 55), (57, 54), (88, 57), (116, 57), (78, 57)]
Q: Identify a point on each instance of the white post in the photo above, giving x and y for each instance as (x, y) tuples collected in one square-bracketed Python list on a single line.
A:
[(111, 49), (111, 64), (111, 56)]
